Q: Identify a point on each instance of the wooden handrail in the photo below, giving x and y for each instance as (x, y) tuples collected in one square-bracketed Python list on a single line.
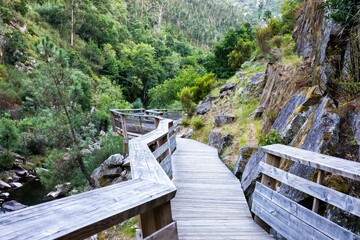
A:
[(288, 217), (148, 194)]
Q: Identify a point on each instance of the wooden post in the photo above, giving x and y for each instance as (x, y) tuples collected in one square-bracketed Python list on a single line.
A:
[(157, 122), (112, 119), (270, 183), (272, 161), (124, 133), (155, 219), (319, 180)]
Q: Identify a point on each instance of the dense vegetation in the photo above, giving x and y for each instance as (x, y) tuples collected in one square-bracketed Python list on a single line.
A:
[(64, 64)]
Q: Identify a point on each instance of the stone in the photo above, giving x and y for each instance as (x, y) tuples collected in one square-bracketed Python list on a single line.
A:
[(102, 133), (210, 98), (242, 159), (221, 120), (21, 172), (67, 157), (16, 184), (188, 133), (97, 146), (111, 173), (203, 108), (85, 152), (219, 142), (228, 87), (13, 205), (4, 185), (4, 195), (215, 140), (61, 190), (115, 160)]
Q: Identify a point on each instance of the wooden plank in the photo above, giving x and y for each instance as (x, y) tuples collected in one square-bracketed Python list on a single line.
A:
[(339, 166), (168, 232), (288, 218), (280, 226), (319, 180), (335, 198), (159, 151), (79, 220), (322, 224)]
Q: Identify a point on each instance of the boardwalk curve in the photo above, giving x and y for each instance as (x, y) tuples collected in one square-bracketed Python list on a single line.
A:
[(209, 202)]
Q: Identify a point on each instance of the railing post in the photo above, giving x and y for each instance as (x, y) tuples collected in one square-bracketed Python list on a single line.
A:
[(155, 219), (124, 134), (319, 180), (269, 182)]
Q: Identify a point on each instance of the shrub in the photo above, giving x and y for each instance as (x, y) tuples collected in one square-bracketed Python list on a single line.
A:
[(263, 36), (272, 137), (197, 123), (36, 145), (186, 96), (276, 41), (185, 122), (9, 135), (203, 86), (7, 160)]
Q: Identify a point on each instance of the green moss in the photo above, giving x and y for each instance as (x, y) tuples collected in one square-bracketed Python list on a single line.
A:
[(336, 182)]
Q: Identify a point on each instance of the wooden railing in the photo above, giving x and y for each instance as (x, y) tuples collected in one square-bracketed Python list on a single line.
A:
[(148, 194), (289, 218)]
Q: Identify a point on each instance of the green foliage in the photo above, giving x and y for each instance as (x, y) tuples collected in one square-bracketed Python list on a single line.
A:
[(137, 104), (9, 135), (7, 160), (272, 137), (166, 93), (5, 14), (185, 122), (241, 53), (203, 86), (263, 36), (186, 96), (15, 47), (344, 12), (21, 6), (197, 123), (109, 145), (53, 13)]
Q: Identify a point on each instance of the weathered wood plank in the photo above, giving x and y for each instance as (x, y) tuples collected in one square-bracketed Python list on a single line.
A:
[(80, 220), (335, 198), (342, 167), (280, 226), (209, 203), (159, 151), (322, 224), (169, 232), (288, 218)]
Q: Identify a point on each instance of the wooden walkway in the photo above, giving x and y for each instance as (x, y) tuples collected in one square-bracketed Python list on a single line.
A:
[(209, 202)]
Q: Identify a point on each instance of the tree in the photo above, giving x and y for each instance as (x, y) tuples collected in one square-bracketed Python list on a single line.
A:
[(63, 90), (9, 135)]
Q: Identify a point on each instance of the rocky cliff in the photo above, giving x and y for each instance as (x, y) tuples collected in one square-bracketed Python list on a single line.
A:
[(315, 104)]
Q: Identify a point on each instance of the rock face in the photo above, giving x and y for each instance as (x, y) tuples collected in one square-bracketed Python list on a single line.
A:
[(221, 120), (218, 141), (355, 126), (227, 89), (111, 171), (242, 159), (203, 108)]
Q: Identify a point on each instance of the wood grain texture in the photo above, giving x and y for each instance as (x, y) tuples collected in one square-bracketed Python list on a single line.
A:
[(331, 196), (327, 163), (329, 228), (209, 202), (83, 215), (169, 232)]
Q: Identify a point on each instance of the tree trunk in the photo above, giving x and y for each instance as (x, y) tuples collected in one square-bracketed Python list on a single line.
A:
[(72, 24), (90, 180)]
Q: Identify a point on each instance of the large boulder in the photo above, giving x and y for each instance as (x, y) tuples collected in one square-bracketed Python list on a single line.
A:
[(242, 159), (355, 127), (111, 171), (218, 141), (228, 87), (4, 185), (60, 191), (13, 205), (221, 120), (203, 108)]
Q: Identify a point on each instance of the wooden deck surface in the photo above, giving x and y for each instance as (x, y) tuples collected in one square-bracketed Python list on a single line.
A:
[(209, 202)]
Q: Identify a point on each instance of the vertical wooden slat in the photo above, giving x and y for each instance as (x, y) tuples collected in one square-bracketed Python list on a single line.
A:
[(155, 219), (269, 182), (319, 180)]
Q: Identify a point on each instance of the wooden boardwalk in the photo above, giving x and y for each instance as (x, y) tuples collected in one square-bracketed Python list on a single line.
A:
[(209, 202)]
